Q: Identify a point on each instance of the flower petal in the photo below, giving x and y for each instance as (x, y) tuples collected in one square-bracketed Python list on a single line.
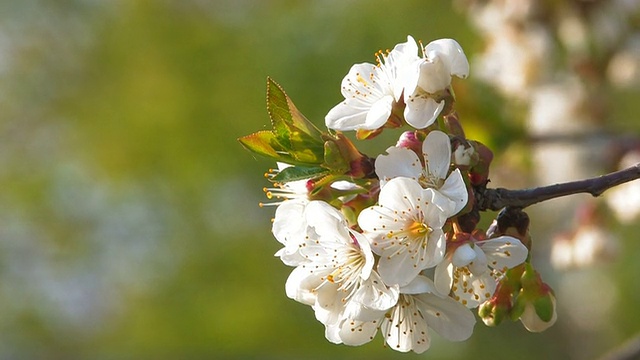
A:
[(400, 268), (399, 162), (463, 255), (421, 111), (443, 276), (345, 116), (356, 333), (455, 189), (402, 194), (504, 252), (434, 75), (404, 329), (300, 285), (436, 150), (375, 295), (447, 317), (419, 285), (451, 52), (332, 333), (471, 291), (379, 113)]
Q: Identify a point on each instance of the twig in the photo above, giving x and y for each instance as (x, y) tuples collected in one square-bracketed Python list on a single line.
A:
[(496, 199)]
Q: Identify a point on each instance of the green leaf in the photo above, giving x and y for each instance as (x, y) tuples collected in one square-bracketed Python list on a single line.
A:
[(261, 142), (265, 143), (285, 117), (294, 173), (279, 113)]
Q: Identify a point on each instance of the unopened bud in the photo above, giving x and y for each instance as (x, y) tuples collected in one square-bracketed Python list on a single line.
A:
[(409, 140), (512, 222), (540, 314), (492, 313), (536, 302), (464, 156)]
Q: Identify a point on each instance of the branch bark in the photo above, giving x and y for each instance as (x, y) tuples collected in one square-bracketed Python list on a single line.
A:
[(496, 199)]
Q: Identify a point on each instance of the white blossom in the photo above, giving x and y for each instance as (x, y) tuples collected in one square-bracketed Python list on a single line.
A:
[(337, 278), (405, 229), (472, 269), (406, 326), (430, 76), (436, 152), (371, 91)]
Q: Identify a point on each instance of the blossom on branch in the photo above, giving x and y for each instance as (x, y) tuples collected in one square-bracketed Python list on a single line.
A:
[(371, 91), (337, 278), (431, 172), (471, 270), (406, 326), (430, 79), (385, 245), (405, 229)]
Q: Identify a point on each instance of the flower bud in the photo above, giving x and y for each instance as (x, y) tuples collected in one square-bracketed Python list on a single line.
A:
[(493, 311), (464, 156), (540, 314), (512, 222), (535, 304), (410, 140)]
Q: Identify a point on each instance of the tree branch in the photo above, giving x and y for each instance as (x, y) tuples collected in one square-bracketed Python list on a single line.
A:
[(496, 199)]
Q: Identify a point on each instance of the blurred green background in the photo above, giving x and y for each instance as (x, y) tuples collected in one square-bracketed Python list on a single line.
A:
[(129, 218)]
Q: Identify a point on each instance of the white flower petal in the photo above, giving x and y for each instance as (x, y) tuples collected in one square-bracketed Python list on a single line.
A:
[(480, 264), (327, 221), (437, 208), (436, 247), (332, 333), (463, 255), (455, 189), (300, 285), (402, 194), (330, 303), (421, 111), (443, 276), (356, 333), (406, 329), (504, 252), (434, 75), (375, 295), (419, 285), (471, 291), (400, 268), (398, 64), (379, 113), (446, 316), (345, 117), (399, 162), (451, 52), (436, 150)]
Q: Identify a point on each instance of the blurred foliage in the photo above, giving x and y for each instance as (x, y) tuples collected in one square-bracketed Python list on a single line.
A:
[(129, 225)]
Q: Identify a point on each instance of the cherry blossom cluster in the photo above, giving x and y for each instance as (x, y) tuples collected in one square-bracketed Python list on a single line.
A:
[(389, 244)]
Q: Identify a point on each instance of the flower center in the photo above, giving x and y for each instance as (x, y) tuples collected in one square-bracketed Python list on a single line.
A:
[(419, 228), (432, 182), (347, 273)]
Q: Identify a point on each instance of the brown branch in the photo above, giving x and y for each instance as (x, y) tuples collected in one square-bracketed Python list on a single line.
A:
[(496, 199)]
